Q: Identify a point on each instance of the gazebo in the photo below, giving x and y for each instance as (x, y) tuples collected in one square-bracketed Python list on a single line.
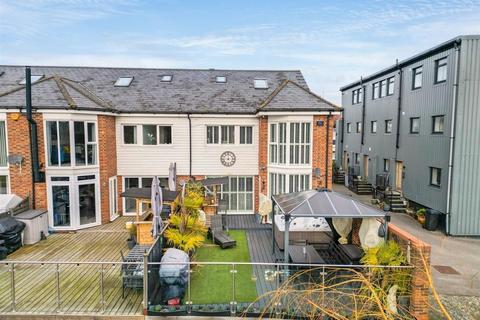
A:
[(321, 203)]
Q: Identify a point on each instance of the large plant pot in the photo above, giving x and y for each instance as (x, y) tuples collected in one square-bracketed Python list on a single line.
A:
[(421, 219)]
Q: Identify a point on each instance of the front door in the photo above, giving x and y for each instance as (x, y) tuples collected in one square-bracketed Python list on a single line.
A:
[(365, 167), (345, 160), (399, 175)]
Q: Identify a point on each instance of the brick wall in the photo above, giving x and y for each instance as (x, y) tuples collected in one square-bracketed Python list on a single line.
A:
[(19, 143), (262, 155), (320, 148), (418, 252), (107, 151)]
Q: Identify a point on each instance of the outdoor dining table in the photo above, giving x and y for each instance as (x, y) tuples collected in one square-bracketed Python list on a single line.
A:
[(132, 274), (304, 254)]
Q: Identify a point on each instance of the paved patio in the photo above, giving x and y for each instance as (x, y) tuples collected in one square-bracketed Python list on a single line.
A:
[(79, 288)]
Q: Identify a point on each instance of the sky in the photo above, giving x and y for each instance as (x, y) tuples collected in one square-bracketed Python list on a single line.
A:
[(332, 42)]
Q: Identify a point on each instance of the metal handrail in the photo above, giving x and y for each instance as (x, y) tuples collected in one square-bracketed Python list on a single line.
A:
[(103, 265), (203, 263)]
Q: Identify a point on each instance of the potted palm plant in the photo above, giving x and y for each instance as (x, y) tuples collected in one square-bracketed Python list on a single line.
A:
[(185, 231)]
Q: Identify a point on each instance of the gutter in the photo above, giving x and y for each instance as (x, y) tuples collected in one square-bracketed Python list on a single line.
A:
[(452, 137)]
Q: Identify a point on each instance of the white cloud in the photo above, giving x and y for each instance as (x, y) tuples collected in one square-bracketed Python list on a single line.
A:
[(95, 60), (332, 47)]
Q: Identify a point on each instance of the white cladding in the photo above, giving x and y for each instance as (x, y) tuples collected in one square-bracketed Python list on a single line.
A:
[(141, 160)]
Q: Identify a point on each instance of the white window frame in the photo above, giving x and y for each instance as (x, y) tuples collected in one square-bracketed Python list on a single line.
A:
[(302, 130), (280, 147), (140, 185), (298, 182), (220, 134), (283, 182), (247, 135), (238, 192), (73, 184), (113, 197), (73, 158), (136, 134), (273, 143)]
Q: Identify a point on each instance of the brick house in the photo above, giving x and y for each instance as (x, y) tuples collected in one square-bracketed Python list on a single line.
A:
[(104, 130)]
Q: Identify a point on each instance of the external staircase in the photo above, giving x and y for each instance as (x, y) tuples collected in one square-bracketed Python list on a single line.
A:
[(396, 201), (339, 177), (362, 187)]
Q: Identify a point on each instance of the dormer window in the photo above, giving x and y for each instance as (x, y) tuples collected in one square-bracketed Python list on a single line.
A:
[(221, 79), (123, 82), (33, 79), (166, 78), (260, 83)]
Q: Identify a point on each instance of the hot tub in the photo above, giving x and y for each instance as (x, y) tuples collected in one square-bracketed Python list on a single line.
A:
[(311, 230)]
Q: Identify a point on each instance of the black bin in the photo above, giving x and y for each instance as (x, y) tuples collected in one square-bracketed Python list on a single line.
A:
[(432, 219)]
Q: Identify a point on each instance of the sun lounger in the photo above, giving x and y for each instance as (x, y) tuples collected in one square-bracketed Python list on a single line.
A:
[(224, 240)]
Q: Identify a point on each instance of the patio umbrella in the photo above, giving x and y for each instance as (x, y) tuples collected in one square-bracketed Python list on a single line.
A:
[(172, 176), (157, 206)]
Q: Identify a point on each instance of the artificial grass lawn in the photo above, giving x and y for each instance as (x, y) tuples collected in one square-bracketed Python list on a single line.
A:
[(213, 283)]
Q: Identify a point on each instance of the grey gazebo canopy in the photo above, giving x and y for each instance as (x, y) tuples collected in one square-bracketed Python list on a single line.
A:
[(323, 203), (320, 203)]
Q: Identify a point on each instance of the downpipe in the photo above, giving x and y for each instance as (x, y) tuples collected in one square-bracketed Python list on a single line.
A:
[(452, 138), (32, 128)]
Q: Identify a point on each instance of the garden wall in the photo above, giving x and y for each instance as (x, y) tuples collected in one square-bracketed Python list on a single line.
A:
[(418, 254)]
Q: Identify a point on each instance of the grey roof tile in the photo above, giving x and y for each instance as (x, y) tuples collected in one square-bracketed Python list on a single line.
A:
[(191, 91)]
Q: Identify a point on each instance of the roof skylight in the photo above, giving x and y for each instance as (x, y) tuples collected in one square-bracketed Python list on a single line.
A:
[(260, 83), (33, 79), (166, 78), (123, 81), (220, 79)]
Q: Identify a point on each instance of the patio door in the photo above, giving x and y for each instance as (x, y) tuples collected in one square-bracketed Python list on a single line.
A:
[(73, 201), (112, 196), (60, 202), (87, 200), (238, 194)]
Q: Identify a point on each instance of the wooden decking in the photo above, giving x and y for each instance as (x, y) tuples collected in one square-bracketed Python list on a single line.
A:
[(80, 285), (260, 249), (245, 222)]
